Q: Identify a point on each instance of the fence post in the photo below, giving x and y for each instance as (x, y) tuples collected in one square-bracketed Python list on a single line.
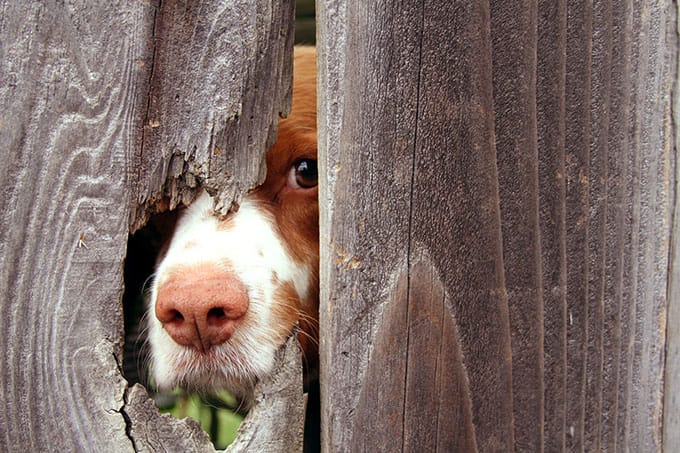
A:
[(496, 224), (107, 111)]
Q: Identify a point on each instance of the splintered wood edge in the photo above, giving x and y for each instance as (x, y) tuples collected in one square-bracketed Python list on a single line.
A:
[(275, 423)]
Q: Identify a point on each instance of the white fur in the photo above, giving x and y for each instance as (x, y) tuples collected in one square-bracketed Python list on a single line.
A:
[(250, 247)]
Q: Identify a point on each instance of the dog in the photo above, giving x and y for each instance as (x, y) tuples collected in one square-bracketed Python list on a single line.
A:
[(228, 292)]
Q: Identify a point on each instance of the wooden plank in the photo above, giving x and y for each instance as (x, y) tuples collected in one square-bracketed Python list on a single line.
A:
[(550, 121), (577, 160), (671, 415), (401, 113), (86, 131), (514, 32), (584, 173), (69, 86), (217, 77), (348, 154)]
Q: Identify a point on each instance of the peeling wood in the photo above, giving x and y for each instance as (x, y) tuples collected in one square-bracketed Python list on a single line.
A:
[(111, 111)]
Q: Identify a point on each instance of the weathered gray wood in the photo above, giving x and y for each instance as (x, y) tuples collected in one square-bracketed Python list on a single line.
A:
[(151, 431), (581, 135), (671, 415), (70, 79), (107, 108), (406, 139), (217, 82), (276, 421)]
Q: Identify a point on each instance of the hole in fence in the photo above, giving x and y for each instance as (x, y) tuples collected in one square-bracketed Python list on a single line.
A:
[(305, 22), (219, 413)]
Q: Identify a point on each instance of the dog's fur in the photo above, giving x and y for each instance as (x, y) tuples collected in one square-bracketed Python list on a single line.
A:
[(253, 273)]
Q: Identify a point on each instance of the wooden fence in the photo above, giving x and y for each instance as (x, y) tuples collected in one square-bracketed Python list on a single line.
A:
[(498, 225), (498, 215)]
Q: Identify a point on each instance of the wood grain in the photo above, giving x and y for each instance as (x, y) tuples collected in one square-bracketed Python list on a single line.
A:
[(577, 173), (515, 40), (496, 225), (69, 117), (499, 213), (671, 415), (653, 140), (220, 77), (414, 126), (90, 132), (550, 125), (618, 183)]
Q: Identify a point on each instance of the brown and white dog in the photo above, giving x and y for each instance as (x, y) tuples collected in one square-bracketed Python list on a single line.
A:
[(228, 292)]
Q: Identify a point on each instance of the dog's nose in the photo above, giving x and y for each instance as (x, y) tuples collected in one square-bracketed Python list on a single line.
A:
[(201, 306)]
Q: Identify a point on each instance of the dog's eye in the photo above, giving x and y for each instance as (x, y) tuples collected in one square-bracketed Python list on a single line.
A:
[(303, 175)]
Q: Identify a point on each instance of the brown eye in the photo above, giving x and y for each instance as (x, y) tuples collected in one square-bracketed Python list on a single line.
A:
[(304, 174)]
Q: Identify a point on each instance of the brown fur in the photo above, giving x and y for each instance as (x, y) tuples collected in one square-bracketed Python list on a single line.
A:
[(297, 211)]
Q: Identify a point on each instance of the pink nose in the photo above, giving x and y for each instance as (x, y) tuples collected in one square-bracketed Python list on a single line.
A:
[(201, 306)]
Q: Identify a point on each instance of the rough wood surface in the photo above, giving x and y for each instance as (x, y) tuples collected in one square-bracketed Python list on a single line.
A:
[(496, 225), (514, 33), (106, 108), (671, 416), (70, 79), (220, 76), (550, 123), (276, 421), (274, 424), (410, 138)]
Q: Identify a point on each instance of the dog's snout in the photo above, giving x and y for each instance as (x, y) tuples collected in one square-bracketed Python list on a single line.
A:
[(201, 307)]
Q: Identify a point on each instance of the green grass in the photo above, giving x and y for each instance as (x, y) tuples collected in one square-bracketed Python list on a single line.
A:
[(213, 412)]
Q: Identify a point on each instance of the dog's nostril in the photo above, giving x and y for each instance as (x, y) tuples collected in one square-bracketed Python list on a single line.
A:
[(175, 316), (216, 314)]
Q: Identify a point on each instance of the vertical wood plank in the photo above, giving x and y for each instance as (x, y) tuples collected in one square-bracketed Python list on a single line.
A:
[(580, 123), (671, 416), (413, 123), (217, 76), (550, 120), (514, 33), (72, 87), (362, 264), (84, 160), (577, 92)]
